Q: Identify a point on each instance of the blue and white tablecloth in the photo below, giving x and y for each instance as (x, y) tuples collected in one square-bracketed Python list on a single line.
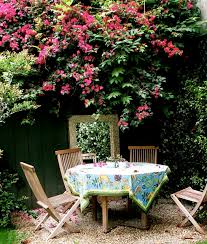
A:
[(141, 181)]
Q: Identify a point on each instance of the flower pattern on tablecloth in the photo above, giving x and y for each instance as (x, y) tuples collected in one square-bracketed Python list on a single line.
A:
[(141, 181)]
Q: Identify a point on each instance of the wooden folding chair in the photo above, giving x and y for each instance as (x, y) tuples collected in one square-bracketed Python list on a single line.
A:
[(143, 154), (197, 197), (69, 202), (89, 156), (68, 158)]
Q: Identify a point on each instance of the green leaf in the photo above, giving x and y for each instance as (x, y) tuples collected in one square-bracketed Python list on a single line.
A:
[(142, 93), (114, 94), (117, 71), (126, 99), (127, 85), (116, 80)]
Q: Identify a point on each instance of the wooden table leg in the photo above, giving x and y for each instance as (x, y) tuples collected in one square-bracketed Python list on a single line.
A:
[(144, 221), (129, 204), (94, 206), (104, 206)]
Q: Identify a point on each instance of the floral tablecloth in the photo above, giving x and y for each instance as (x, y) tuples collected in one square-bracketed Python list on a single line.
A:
[(141, 181)]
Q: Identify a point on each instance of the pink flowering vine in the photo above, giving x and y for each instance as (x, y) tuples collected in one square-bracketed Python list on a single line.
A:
[(189, 5), (143, 112), (48, 87)]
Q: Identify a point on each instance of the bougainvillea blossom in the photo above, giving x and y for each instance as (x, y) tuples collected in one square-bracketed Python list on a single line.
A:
[(112, 59)]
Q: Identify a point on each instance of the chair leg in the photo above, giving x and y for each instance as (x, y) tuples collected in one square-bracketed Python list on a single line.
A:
[(42, 221), (187, 214), (192, 213), (129, 204), (67, 206), (64, 219)]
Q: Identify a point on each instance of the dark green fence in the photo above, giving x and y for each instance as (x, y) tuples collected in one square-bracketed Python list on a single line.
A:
[(36, 145)]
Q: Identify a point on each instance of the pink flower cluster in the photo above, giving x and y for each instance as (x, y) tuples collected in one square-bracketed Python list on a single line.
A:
[(7, 12), (43, 55), (48, 87), (65, 89), (100, 164), (49, 48), (113, 23), (76, 28), (168, 47), (143, 112), (156, 92), (13, 32), (123, 123), (189, 5), (21, 35), (132, 8)]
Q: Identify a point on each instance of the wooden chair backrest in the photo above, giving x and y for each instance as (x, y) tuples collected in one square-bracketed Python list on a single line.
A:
[(92, 156), (34, 183), (68, 158), (143, 154)]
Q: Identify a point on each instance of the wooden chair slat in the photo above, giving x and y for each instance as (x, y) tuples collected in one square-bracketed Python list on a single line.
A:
[(67, 159), (143, 154), (188, 196)]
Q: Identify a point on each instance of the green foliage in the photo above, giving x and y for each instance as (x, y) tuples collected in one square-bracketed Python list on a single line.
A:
[(184, 137), (13, 97), (16, 64), (11, 236), (201, 214), (8, 199), (94, 138)]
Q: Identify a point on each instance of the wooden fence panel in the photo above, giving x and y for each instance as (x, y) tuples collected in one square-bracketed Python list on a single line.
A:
[(36, 145)]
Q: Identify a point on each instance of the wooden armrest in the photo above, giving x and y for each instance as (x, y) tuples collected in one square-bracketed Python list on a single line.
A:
[(42, 204)]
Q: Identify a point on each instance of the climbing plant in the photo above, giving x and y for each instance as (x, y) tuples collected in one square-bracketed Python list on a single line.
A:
[(115, 58)]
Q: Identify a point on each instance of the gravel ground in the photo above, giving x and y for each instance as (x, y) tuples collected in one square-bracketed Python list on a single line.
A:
[(164, 217)]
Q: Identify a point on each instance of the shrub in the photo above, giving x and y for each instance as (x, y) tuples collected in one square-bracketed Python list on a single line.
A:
[(94, 138), (8, 199), (9, 202), (184, 137), (14, 97)]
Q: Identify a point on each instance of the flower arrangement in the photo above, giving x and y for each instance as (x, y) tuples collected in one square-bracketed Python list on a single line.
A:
[(116, 159)]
